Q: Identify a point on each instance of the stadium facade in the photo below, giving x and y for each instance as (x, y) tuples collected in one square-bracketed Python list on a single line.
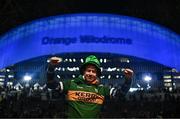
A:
[(109, 36)]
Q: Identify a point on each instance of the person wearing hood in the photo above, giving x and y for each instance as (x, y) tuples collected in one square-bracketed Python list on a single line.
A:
[(85, 94)]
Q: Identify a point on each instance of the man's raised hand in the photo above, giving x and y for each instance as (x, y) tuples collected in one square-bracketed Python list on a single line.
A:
[(128, 73), (55, 60)]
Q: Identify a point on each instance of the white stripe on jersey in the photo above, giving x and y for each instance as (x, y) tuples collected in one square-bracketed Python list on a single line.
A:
[(61, 86), (111, 91)]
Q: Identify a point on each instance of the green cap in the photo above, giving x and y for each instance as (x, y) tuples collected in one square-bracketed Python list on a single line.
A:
[(91, 59)]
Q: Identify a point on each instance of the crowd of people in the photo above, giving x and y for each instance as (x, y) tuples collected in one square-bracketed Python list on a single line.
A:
[(45, 103)]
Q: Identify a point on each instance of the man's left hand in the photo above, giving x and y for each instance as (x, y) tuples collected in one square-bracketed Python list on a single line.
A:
[(128, 73)]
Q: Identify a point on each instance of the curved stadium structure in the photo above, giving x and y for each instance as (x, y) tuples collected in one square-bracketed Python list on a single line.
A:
[(110, 36)]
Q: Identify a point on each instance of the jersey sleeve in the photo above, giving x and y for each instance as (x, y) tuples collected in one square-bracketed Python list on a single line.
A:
[(104, 90), (65, 85)]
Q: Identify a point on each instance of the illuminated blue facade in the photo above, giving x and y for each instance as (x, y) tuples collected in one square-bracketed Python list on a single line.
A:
[(103, 33)]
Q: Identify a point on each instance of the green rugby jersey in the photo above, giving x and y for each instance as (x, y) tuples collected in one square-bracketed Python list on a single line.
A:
[(84, 100)]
